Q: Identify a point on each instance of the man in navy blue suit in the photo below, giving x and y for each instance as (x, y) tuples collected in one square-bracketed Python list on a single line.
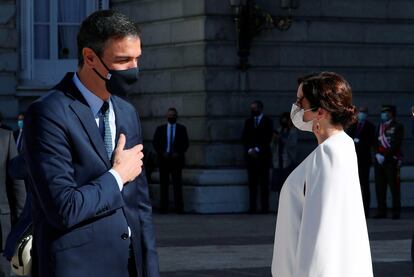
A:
[(83, 146)]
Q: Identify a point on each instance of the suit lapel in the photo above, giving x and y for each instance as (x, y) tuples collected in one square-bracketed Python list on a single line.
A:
[(82, 110), (89, 124)]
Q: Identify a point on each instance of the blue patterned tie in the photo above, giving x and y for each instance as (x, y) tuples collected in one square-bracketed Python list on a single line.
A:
[(107, 137)]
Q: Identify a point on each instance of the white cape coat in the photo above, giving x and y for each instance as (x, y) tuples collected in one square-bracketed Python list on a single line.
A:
[(322, 232)]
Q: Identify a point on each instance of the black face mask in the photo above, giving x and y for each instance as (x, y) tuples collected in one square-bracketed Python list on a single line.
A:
[(172, 120), (120, 82), (255, 113)]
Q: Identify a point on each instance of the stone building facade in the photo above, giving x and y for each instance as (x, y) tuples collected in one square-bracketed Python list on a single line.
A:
[(190, 62), (9, 44)]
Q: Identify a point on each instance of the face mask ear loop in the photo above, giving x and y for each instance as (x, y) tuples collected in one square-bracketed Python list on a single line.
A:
[(109, 74), (307, 110), (100, 76)]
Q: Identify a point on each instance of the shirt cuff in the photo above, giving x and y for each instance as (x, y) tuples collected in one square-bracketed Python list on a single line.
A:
[(117, 178)]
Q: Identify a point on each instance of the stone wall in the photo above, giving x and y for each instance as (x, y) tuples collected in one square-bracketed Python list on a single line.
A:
[(173, 67), (189, 61), (369, 42), (8, 61)]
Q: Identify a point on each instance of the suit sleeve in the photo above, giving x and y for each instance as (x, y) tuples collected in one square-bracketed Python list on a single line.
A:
[(48, 154), (186, 143), (15, 188), (245, 136), (150, 256), (156, 142)]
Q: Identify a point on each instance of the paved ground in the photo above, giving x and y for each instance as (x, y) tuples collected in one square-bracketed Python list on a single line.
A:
[(241, 245)]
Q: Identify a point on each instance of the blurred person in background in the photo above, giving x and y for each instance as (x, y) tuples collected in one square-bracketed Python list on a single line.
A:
[(363, 134), (388, 158), (256, 138), (284, 151), (12, 195), (171, 142), (18, 134)]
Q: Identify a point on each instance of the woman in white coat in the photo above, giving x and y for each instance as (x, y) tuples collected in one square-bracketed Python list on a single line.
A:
[(321, 229)]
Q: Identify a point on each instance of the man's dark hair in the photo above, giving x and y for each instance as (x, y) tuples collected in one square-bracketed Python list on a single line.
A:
[(389, 108), (172, 109), (259, 104), (101, 26)]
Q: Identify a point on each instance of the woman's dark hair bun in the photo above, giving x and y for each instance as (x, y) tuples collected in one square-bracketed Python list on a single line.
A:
[(331, 92)]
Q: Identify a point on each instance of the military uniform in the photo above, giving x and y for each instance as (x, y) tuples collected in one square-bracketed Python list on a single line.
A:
[(387, 166)]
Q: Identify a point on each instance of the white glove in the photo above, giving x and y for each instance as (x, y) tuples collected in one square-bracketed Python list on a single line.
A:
[(380, 158)]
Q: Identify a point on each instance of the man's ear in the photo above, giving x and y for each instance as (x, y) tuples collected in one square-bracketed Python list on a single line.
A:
[(89, 56)]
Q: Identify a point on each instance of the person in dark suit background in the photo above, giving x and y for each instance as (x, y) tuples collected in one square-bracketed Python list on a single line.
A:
[(92, 215), (171, 142), (12, 195), (389, 137), (18, 134), (18, 171), (256, 138), (363, 134)]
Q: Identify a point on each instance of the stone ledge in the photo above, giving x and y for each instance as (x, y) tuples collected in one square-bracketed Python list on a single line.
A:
[(236, 177), (225, 191), (211, 177)]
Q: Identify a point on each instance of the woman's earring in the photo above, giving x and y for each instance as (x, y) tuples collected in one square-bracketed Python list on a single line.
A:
[(318, 126)]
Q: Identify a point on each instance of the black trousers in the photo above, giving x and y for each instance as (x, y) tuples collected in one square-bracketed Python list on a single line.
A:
[(132, 270), (171, 167), (388, 175), (258, 177), (363, 170)]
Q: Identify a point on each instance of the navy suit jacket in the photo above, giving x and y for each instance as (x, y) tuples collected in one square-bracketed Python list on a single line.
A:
[(260, 137), (80, 216), (180, 144)]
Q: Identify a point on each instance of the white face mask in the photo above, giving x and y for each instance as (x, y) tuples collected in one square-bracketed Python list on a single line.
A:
[(296, 114)]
